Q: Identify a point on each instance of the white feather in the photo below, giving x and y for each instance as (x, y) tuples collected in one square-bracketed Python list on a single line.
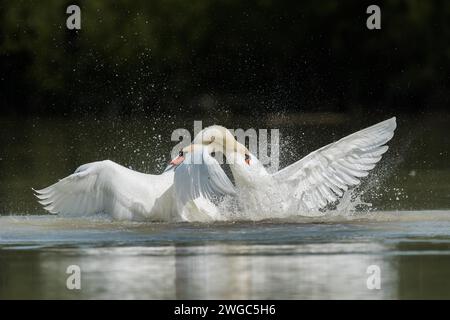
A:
[(108, 187), (323, 175), (200, 175)]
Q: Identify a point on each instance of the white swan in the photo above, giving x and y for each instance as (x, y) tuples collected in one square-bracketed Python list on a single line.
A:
[(107, 187), (199, 182), (305, 186)]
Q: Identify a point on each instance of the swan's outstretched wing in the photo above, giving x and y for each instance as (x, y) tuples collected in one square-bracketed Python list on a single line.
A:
[(200, 175), (323, 175), (94, 187)]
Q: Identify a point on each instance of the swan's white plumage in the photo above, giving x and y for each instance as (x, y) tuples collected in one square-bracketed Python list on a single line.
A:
[(323, 175), (106, 186), (311, 183), (200, 176)]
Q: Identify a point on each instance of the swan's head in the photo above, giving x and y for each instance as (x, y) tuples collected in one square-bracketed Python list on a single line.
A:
[(213, 139), (220, 139), (182, 155)]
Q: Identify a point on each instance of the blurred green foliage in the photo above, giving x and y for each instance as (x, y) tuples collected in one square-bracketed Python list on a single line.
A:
[(144, 56)]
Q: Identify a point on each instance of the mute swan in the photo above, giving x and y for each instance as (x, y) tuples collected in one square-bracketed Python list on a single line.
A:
[(310, 184), (107, 187), (307, 185)]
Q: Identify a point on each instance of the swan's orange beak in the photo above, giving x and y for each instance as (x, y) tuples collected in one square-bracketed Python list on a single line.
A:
[(174, 163), (247, 159), (177, 160)]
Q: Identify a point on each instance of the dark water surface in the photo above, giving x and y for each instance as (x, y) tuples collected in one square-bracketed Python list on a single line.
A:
[(300, 258)]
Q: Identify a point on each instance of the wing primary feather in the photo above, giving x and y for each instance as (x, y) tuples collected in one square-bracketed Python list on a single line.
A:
[(332, 169)]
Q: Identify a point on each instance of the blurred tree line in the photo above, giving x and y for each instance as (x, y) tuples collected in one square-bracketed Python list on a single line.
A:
[(246, 56)]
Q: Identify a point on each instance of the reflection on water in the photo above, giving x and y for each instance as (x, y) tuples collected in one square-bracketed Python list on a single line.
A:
[(192, 273), (292, 260)]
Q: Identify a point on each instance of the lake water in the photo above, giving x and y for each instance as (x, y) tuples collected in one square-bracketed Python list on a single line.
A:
[(298, 258)]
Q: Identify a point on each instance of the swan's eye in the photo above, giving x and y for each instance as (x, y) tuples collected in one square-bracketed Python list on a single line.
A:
[(181, 153), (213, 154)]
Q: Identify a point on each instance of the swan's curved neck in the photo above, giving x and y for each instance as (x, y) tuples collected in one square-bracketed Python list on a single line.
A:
[(247, 175)]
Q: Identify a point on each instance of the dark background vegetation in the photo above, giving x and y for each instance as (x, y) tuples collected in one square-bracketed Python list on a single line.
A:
[(177, 55), (137, 70)]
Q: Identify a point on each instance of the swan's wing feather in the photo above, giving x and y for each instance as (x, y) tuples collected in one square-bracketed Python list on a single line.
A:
[(323, 175), (88, 190), (200, 175)]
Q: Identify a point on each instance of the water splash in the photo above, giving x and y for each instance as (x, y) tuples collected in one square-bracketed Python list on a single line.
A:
[(264, 198)]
